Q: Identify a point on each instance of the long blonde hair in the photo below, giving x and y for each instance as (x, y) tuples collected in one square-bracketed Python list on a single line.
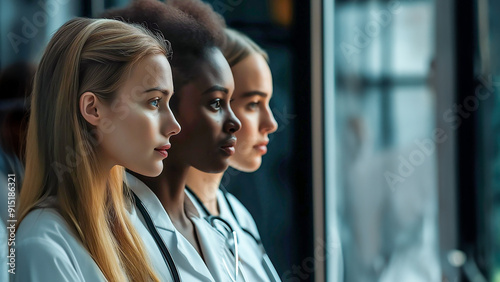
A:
[(61, 161)]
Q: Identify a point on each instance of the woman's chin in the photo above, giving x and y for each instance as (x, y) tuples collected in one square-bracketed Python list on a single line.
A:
[(249, 165), (217, 167), (152, 171)]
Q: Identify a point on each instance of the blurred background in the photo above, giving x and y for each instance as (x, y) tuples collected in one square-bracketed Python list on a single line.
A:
[(386, 163)]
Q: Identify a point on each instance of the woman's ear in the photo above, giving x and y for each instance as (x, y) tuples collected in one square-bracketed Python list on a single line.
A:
[(88, 108)]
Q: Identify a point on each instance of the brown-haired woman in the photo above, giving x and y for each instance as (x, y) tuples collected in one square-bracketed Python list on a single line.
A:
[(100, 102)]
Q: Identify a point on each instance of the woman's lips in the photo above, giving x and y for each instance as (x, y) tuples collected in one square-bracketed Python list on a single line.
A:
[(262, 147), (228, 146), (163, 153), (229, 150), (163, 150)]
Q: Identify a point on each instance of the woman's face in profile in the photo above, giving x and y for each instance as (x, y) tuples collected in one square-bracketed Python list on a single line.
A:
[(252, 93), (138, 123), (203, 110)]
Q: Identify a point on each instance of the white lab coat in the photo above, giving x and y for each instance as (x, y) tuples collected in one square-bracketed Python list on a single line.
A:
[(250, 252), (47, 250), (189, 263)]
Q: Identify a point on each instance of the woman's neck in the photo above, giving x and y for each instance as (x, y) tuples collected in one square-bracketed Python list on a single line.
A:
[(169, 188), (205, 186)]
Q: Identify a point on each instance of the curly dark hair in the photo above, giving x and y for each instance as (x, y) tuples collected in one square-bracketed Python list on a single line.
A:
[(191, 26)]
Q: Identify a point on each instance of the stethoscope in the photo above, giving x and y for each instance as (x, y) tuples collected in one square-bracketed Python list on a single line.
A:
[(266, 261), (231, 242), (167, 257)]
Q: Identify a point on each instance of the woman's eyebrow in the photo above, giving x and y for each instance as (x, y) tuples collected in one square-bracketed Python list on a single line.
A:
[(216, 88), (164, 91), (254, 93)]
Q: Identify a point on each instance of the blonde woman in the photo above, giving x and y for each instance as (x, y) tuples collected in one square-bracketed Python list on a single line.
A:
[(253, 90), (100, 102)]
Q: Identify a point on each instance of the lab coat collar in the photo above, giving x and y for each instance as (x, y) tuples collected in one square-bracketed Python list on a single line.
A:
[(250, 252), (213, 248), (151, 203), (213, 244), (202, 267), (224, 210)]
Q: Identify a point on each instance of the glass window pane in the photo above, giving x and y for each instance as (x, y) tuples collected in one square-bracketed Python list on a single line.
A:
[(384, 130)]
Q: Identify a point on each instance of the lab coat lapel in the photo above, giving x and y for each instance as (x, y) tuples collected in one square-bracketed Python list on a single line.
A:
[(185, 256), (250, 253), (213, 245), (151, 203)]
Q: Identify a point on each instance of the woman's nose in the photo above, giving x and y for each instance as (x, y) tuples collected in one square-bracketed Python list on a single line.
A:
[(170, 125), (232, 123), (268, 124)]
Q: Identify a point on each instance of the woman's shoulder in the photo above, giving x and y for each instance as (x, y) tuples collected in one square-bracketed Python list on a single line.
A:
[(42, 223), (44, 230), (46, 249)]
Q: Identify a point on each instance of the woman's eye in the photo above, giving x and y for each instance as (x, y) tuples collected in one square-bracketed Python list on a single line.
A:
[(155, 103), (253, 105), (215, 104)]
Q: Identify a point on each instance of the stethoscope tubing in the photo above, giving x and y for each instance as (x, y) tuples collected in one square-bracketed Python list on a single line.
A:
[(167, 257)]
